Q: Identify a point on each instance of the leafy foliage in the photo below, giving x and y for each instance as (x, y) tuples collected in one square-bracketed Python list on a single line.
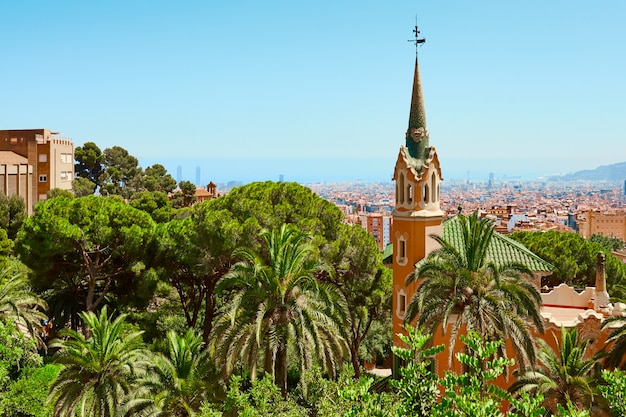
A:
[(564, 375), (99, 371), (18, 304), (121, 173), (89, 162), (16, 353), (279, 305), (417, 385), (614, 391), (359, 274), (26, 396), (263, 399), (84, 250), (12, 214), (608, 243), (574, 259), (617, 353), (497, 301), (177, 382)]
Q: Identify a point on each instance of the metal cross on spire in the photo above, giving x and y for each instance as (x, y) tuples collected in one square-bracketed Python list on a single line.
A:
[(417, 39)]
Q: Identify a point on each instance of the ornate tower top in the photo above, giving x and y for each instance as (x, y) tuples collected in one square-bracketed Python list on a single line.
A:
[(417, 134)]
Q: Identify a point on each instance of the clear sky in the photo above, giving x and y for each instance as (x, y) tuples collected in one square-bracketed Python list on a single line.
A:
[(537, 81)]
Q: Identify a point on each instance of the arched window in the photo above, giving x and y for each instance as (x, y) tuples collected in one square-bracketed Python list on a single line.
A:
[(401, 304), (400, 251), (433, 181), (410, 194), (401, 188), (426, 194)]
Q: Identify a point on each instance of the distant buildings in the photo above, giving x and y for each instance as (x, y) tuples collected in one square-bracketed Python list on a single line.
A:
[(34, 161), (610, 224), (377, 225), (208, 193)]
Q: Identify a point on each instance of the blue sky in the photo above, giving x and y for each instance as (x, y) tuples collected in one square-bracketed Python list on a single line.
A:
[(537, 82)]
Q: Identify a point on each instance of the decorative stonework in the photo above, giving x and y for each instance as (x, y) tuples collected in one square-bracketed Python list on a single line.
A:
[(418, 134), (564, 295)]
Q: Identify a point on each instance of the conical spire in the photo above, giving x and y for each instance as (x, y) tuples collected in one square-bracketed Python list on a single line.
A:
[(417, 116), (417, 134)]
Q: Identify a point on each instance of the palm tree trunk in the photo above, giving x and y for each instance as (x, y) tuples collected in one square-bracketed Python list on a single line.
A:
[(281, 369)]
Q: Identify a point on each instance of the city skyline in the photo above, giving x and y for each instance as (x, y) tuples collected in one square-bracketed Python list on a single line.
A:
[(531, 87)]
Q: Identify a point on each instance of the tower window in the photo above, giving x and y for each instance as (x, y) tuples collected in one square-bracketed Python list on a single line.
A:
[(401, 188), (410, 193), (434, 187), (401, 304), (426, 194)]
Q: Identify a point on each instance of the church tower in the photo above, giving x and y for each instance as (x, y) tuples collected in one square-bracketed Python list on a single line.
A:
[(417, 213)]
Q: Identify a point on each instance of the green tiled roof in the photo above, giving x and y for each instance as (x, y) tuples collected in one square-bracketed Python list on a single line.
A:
[(502, 249), (388, 253)]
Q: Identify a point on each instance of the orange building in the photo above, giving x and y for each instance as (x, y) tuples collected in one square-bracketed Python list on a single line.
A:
[(610, 224), (50, 157), (208, 193), (418, 215), (417, 212)]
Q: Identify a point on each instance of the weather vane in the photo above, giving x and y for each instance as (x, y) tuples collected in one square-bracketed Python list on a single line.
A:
[(417, 39)]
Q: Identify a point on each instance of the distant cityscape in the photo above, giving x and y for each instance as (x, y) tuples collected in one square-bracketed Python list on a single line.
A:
[(239, 171)]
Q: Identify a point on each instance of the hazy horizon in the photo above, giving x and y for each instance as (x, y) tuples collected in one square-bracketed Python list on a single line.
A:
[(338, 169)]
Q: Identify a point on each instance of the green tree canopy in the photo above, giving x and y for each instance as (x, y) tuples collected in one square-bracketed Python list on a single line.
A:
[(82, 187), (85, 252), (279, 307), (363, 280), (18, 304), (155, 203), (99, 372), (89, 162), (194, 253), (156, 178), (574, 259), (12, 214), (121, 173)]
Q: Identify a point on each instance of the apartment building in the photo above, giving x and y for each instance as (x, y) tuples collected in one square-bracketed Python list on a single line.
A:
[(610, 224), (50, 161)]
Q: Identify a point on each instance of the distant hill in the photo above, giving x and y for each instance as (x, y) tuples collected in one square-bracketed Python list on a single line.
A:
[(614, 172)]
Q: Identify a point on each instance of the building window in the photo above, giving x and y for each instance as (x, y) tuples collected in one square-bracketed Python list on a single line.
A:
[(426, 194), (43, 197), (64, 175), (434, 187), (401, 187), (43, 178), (66, 158), (401, 307), (43, 157), (410, 192)]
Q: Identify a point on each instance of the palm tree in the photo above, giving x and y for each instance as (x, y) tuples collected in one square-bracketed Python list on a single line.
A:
[(18, 304), (98, 372), (565, 376), (176, 383), (278, 306), (617, 352), (495, 300)]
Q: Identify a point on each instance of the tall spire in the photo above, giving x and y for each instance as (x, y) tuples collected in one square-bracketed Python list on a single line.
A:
[(417, 134)]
